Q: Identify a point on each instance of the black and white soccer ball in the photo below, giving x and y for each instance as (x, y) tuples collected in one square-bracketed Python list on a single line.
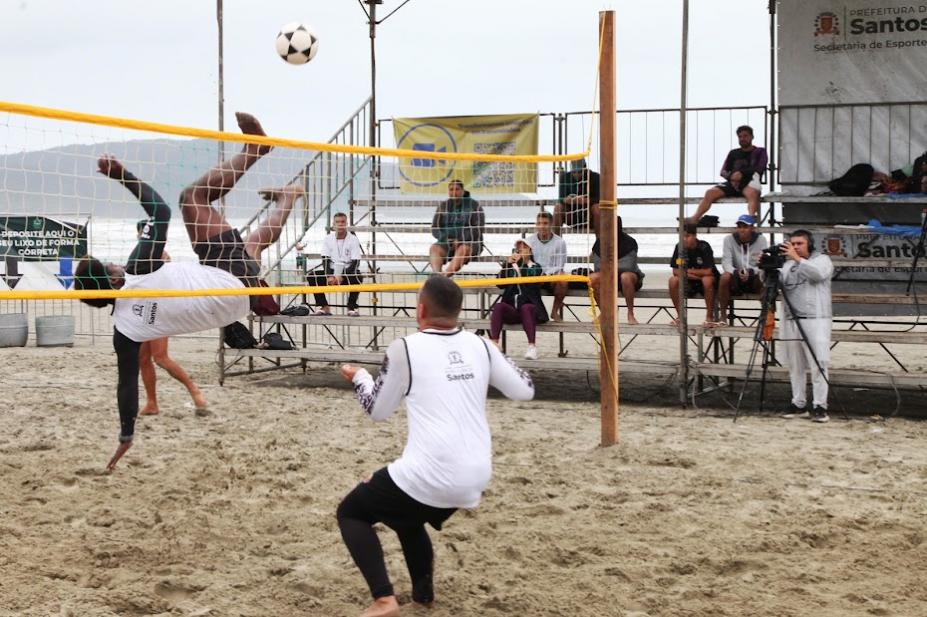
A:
[(297, 44)]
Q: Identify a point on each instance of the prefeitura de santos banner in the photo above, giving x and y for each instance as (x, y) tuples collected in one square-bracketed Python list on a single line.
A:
[(39, 238), (508, 134), (852, 77), (852, 51)]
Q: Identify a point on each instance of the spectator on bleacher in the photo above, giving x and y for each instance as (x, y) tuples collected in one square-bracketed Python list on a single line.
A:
[(341, 254), (805, 333), (741, 171), (550, 252), (519, 304), (578, 198), (458, 228), (630, 276), (701, 275), (740, 272)]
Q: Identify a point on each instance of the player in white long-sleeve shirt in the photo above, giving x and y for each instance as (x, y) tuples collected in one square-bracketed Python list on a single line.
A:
[(444, 374)]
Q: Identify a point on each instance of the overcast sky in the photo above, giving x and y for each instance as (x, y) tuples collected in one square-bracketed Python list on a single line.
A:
[(157, 60)]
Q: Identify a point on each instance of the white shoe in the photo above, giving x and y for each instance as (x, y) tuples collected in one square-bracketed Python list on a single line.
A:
[(531, 353)]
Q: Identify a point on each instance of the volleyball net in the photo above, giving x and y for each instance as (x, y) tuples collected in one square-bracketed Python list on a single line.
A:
[(478, 189)]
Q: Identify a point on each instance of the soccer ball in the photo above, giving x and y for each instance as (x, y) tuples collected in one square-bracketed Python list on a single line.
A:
[(296, 43)]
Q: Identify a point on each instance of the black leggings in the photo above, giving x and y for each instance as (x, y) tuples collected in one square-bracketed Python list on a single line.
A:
[(318, 278), (127, 389), (379, 500)]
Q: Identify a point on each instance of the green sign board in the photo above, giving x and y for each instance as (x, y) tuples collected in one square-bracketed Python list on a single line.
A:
[(39, 238)]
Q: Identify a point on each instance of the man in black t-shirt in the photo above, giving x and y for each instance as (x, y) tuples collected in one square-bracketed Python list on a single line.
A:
[(578, 199), (701, 275)]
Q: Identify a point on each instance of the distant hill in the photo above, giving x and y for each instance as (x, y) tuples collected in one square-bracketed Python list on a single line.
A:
[(65, 180)]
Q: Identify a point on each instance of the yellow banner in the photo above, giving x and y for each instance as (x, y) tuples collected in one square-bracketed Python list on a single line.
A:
[(509, 134)]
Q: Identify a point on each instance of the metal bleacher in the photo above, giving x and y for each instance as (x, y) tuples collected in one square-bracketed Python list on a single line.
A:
[(386, 315)]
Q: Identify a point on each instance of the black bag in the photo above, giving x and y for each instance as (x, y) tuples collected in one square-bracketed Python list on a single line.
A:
[(854, 183), (237, 336), (708, 220), (297, 310), (579, 272), (274, 340)]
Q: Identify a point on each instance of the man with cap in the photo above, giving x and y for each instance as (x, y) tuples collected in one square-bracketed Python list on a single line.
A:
[(578, 198), (741, 171), (740, 273)]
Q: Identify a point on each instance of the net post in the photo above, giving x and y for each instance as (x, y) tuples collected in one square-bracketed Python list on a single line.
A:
[(608, 236)]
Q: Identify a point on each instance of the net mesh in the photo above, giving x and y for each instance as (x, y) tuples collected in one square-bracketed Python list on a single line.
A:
[(76, 186)]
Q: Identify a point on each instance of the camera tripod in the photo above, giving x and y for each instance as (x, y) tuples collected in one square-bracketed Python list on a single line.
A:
[(917, 254), (762, 337)]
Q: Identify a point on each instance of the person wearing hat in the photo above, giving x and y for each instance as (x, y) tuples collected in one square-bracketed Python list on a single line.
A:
[(740, 273), (519, 304), (741, 171), (578, 198)]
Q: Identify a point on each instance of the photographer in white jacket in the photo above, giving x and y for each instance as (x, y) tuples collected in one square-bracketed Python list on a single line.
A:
[(805, 279)]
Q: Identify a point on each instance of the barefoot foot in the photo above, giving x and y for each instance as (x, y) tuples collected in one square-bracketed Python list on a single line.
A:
[(631, 319), (249, 125), (199, 401), (383, 607), (276, 194), (151, 409)]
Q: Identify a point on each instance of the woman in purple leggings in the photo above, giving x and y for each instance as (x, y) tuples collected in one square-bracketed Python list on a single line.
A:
[(519, 304)]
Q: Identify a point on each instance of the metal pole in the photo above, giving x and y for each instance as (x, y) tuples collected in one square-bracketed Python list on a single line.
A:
[(681, 264), (372, 122), (221, 93), (771, 145), (608, 233)]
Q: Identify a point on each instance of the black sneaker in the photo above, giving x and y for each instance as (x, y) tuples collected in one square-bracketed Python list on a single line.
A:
[(796, 412), (819, 414)]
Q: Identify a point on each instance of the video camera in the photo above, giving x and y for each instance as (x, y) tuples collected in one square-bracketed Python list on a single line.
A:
[(772, 258)]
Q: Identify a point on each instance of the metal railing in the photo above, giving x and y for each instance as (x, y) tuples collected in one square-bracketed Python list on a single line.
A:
[(648, 143), (818, 143), (328, 178)]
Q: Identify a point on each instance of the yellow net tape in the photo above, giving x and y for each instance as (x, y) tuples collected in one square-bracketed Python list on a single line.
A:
[(89, 294), (170, 129)]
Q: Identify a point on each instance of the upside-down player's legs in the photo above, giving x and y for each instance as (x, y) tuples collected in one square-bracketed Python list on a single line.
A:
[(269, 229), (201, 219)]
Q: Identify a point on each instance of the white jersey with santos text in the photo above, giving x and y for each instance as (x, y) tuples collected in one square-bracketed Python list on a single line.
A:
[(146, 319), (444, 376)]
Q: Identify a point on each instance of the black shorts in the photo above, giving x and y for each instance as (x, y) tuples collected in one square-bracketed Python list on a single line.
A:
[(226, 251), (379, 500), (730, 190), (475, 249), (751, 285)]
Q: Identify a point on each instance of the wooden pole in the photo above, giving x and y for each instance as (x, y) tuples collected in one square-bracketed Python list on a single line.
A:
[(608, 233)]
